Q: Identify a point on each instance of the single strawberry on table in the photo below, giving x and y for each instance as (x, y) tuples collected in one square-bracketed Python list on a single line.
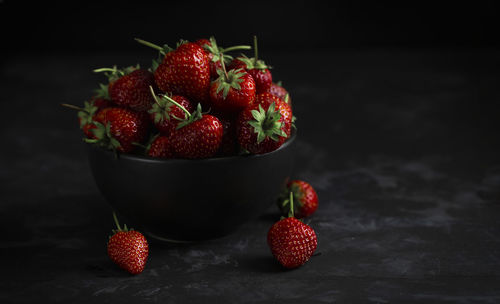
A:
[(255, 67), (184, 71), (304, 197), (265, 125), (165, 115), (216, 53), (130, 87), (118, 129), (128, 248), (291, 241), (233, 91), (198, 136)]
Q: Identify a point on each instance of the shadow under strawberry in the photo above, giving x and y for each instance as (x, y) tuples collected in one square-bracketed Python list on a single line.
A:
[(264, 263)]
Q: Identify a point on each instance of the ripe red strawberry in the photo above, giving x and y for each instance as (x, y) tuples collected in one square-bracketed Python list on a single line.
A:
[(291, 241), (160, 147), (232, 91), (266, 99), (215, 53), (264, 126), (101, 102), (87, 130), (255, 67), (304, 197), (130, 87), (199, 136), (119, 128), (128, 249), (88, 112), (279, 91), (184, 71), (164, 113)]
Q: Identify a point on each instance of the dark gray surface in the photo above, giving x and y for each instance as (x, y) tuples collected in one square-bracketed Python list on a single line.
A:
[(402, 147)]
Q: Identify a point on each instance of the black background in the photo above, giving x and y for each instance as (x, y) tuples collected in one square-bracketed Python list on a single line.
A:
[(398, 117), (292, 25)]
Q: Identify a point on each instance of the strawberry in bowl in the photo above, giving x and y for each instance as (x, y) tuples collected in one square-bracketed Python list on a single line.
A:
[(188, 150)]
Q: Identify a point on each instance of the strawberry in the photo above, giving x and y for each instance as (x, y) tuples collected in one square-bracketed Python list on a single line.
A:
[(232, 91), (216, 53), (101, 102), (118, 129), (304, 196), (130, 87), (199, 136), (264, 126), (279, 91), (160, 147), (267, 99), (88, 112), (291, 241), (165, 114), (255, 67), (184, 71), (128, 248)]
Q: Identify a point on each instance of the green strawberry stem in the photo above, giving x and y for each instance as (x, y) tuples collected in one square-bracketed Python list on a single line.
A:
[(256, 53), (112, 70), (171, 100), (224, 67), (116, 222), (139, 145), (155, 98), (290, 212), (151, 45), (70, 106), (235, 48)]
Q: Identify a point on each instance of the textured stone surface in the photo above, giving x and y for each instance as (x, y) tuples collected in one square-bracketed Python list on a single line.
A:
[(402, 147)]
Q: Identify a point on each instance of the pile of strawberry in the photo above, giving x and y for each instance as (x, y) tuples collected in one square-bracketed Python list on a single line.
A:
[(195, 101), (292, 242)]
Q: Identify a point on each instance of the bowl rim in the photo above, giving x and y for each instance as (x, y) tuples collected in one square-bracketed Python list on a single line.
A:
[(149, 159)]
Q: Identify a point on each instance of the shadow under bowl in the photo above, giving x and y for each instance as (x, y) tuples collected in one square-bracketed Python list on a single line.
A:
[(190, 200)]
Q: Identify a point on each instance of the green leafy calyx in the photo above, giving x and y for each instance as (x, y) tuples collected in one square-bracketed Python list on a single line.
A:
[(102, 91), (252, 63), (196, 115), (114, 73), (103, 137), (267, 124), (87, 113), (161, 108), (219, 52), (231, 80)]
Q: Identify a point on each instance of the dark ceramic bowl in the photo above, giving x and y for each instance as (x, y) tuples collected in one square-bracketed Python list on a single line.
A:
[(190, 200)]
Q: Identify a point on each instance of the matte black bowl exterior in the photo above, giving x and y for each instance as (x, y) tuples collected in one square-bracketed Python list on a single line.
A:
[(189, 200)]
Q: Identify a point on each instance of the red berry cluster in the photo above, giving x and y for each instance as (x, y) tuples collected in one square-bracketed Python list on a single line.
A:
[(158, 111)]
